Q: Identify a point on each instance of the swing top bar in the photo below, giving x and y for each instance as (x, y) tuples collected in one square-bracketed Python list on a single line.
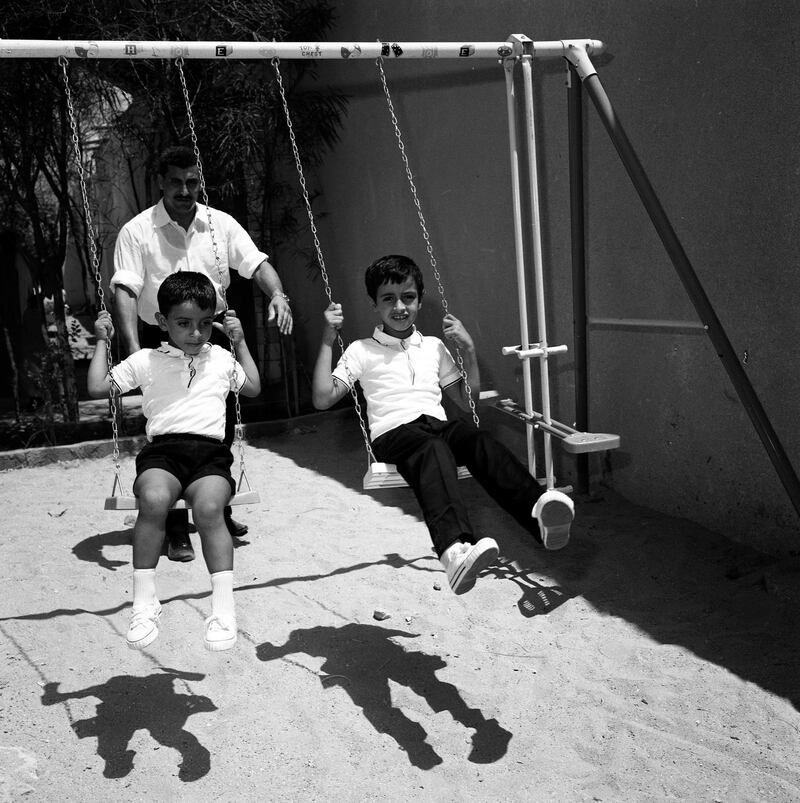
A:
[(517, 45)]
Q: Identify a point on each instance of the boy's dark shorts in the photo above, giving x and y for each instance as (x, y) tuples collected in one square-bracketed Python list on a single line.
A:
[(187, 457)]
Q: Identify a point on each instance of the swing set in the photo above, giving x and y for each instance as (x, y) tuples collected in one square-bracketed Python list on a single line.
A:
[(517, 51)]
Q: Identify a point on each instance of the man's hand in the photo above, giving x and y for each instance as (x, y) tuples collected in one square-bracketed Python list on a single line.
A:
[(281, 313), (266, 277)]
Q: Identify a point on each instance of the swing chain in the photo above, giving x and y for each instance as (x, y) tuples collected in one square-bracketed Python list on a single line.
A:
[(425, 234), (238, 428), (95, 258), (318, 248), (301, 176), (410, 176), (196, 148)]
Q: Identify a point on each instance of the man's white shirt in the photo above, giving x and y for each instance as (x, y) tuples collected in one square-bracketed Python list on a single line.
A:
[(152, 246)]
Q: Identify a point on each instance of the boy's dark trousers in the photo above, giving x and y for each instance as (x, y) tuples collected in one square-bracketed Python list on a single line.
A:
[(427, 453)]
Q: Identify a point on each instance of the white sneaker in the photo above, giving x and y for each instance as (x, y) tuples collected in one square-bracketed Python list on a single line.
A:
[(220, 633), (554, 511), (463, 562), (143, 629)]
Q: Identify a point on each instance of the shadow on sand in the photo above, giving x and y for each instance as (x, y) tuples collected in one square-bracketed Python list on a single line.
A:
[(128, 704), (362, 660), (678, 582)]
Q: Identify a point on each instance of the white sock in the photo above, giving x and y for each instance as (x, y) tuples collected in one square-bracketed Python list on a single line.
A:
[(144, 587), (222, 594)]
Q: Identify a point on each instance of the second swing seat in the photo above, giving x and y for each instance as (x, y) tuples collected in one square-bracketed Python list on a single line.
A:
[(385, 475)]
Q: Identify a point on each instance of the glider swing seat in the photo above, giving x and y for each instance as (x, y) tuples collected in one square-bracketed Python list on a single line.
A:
[(570, 439), (378, 475), (119, 499)]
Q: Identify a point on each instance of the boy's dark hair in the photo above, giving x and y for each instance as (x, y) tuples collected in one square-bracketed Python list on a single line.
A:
[(392, 269), (176, 156), (186, 285)]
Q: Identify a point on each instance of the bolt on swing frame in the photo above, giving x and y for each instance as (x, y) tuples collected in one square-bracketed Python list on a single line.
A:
[(577, 53)]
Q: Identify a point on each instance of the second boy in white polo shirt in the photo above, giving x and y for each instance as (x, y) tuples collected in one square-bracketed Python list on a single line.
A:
[(403, 374)]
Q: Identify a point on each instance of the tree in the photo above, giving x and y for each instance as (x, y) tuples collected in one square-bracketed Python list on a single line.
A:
[(36, 204), (236, 111)]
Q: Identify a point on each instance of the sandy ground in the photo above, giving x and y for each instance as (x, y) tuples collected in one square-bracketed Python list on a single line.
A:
[(650, 660)]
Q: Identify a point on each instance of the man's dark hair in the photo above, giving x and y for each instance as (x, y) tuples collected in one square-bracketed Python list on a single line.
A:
[(176, 156), (392, 269), (186, 285)]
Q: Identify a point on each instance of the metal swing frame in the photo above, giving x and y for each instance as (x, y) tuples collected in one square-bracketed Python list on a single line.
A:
[(517, 49), (119, 499), (577, 54)]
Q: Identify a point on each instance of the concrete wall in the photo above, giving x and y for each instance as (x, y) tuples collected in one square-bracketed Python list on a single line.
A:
[(707, 93)]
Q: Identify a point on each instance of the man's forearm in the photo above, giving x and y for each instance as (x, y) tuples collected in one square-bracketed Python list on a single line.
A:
[(266, 277), (268, 280), (127, 318)]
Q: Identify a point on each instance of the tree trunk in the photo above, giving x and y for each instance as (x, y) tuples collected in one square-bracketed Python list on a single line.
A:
[(14, 373)]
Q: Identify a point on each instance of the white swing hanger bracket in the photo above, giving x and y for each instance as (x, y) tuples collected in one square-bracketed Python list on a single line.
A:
[(533, 350), (521, 45)]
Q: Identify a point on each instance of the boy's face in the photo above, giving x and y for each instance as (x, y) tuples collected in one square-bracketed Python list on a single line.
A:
[(187, 326), (181, 188), (398, 305)]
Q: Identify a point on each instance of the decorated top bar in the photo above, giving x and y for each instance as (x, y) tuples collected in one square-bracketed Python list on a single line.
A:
[(54, 48)]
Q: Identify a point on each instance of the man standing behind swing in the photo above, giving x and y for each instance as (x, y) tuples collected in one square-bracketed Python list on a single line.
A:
[(171, 236)]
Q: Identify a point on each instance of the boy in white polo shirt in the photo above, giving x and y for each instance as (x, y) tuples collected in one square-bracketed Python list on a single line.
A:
[(184, 385), (402, 374)]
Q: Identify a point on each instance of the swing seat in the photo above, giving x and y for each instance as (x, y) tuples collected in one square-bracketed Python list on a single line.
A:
[(123, 501), (572, 440), (585, 442), (132, 502), (385, 475)]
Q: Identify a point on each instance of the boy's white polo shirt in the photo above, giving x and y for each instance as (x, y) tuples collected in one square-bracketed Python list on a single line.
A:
[(401, 379), (181, 392)]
